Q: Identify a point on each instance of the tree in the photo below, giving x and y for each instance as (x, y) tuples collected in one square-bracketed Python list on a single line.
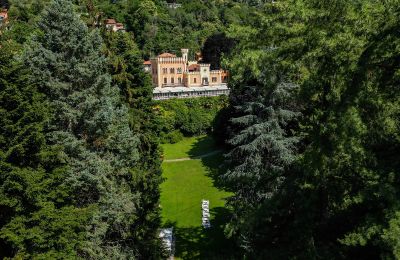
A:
[(89, 129), (37, 218), (344, 204), (215, 47), (126, 69), (262, 152)]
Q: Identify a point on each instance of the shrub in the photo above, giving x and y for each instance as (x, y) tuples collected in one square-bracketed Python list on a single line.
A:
[(190, 117), (172, 137)]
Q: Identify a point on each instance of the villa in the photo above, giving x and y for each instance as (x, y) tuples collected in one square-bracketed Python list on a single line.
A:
[(112, 25), (178, 77)]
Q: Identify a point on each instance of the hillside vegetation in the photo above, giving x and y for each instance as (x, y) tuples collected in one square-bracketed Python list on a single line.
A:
[(310, 132)]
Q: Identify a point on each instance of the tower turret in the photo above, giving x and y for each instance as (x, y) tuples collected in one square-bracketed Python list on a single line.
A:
[(185, 53)]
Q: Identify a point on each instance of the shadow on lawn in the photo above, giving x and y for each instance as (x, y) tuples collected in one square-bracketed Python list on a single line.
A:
[(215, 169), (197, 242), (214, 163), (200, 243), (202, 146)]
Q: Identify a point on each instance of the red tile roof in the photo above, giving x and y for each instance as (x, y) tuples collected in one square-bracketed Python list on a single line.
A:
[(147, 62), (194, 67), (110, 21), (167, 55)]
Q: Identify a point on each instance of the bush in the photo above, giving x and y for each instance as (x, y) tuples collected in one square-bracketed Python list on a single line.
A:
[(172, 137), (189, 117)]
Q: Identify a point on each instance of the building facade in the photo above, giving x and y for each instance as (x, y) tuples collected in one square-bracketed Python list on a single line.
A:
[(177, 77), (112, 25), (168, 70)]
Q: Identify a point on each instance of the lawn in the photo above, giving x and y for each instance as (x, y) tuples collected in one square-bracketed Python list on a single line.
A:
[(186, 184), (189, 147)]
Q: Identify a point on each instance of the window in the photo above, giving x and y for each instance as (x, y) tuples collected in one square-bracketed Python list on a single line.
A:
[(179, 70), (165, 70), (194, 80), (172, 70), (172, 80), (205, 70), (179, 80), (214, 79), (165, 80)]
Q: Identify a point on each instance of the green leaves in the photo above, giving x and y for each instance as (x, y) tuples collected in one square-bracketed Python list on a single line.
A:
[(190, 116), (72, 183), (342, 56)]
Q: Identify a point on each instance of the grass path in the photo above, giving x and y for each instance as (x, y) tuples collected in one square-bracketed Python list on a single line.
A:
[(195, 158)]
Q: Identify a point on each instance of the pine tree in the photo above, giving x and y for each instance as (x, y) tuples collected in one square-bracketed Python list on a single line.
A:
[(37, 219), (262, 151), (91, 128), (126, 69)]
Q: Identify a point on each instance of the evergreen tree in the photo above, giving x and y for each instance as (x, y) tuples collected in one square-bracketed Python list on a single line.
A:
[(126, 68), (342, 201), (37, 219), (262, 152), (90, 126)]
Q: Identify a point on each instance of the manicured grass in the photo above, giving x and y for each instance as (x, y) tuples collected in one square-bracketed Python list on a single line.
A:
[(189, 147), (186, 184)]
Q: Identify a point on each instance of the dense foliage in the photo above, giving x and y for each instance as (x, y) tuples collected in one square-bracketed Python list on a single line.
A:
[(311, 126), (158, 28), (188, 117), (79, 176), (36, 217), (125, 66), (339, 195)]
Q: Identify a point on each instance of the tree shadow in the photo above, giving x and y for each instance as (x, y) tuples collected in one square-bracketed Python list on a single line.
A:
[(214, 163), (216, 168), (203, 145), (200, 243)]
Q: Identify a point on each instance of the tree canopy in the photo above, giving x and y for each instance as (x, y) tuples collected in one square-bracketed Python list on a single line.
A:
[(341, 196)]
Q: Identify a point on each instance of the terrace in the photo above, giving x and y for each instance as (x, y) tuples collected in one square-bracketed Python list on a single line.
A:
[(184, 92)]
